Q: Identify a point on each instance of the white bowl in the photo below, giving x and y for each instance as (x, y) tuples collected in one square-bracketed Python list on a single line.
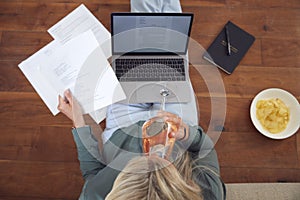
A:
[(289, 100)]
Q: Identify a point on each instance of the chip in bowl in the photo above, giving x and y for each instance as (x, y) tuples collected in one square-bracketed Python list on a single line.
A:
[(273, 114)]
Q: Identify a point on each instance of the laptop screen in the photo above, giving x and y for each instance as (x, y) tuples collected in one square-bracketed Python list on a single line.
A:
[(150, 33)]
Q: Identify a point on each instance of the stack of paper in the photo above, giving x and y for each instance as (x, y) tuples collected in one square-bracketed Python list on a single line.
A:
[(77, 60)]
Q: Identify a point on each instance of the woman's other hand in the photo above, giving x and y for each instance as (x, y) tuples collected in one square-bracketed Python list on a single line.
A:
[(182, 129), (71, 108)]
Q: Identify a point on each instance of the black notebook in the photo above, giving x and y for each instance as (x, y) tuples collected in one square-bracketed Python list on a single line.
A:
[(227, 55)]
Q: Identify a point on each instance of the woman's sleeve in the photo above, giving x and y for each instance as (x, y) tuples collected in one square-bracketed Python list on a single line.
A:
[(206, 171), (88, 153)]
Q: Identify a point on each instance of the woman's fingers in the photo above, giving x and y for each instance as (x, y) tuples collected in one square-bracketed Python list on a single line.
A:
[(181, 130), (64, 105), (71, 108), (166, 114), (61, 103), (68, 96), (170, 117)]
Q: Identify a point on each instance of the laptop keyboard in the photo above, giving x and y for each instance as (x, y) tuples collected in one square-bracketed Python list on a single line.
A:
[(150, 69)]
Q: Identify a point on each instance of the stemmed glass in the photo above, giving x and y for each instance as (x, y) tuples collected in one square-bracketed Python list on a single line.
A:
[(157, 137)]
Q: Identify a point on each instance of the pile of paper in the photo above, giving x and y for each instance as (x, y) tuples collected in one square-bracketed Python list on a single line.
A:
[(77, 60)]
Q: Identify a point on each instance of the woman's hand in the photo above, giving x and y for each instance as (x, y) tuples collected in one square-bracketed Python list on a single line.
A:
[(180, 129), (71, 108)]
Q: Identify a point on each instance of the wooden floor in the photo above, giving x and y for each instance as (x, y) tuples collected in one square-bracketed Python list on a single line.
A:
[(38, 158)]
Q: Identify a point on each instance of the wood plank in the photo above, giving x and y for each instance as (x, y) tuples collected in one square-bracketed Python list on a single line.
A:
[(19, 16), (298, 147), (206, 3), (239, 121), (254, 54), (47, 14), (281, 52), (111, 2), (247, 81), (40, 179), (250, 149), (48, 144), (193, 34), (127, 2), (259, 175), (25, 38), (18, 83), (26, 44), (212, 120), (256, 21), (264, 4), (17, 54), (26, 198), (27, 108)]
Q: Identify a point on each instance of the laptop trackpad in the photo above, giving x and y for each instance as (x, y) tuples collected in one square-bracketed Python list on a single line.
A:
[(149, 92), (130, 92)]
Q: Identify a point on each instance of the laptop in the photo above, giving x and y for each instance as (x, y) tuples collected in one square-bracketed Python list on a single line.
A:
[(149, 55)]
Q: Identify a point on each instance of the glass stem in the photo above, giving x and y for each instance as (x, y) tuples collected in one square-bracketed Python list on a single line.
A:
[(164, 93), (163, 103)]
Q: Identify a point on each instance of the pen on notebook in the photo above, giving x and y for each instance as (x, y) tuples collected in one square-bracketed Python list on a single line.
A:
[(228, 40)]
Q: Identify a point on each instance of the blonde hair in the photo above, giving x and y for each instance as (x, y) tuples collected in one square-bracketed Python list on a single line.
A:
[(154, 178)]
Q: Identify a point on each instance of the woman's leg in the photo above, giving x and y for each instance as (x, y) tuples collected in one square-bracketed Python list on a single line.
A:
[(122, 115), (155, 6)]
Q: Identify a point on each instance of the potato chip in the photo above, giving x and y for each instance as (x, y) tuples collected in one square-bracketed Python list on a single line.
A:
[(273, 114)]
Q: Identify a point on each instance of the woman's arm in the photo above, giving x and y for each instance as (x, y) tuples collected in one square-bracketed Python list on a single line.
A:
[(194, 140), (206, 171), (87, 145), (202, 148), (88, 153)]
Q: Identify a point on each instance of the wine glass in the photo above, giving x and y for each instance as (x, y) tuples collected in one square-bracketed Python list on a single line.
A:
[(156, 132)]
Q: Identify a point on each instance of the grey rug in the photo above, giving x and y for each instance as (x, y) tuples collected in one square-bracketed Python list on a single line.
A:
[(264, 191)]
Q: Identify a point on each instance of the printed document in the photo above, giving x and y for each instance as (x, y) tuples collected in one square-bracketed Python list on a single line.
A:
[(78, 65), (79, 21), (77, 60)]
